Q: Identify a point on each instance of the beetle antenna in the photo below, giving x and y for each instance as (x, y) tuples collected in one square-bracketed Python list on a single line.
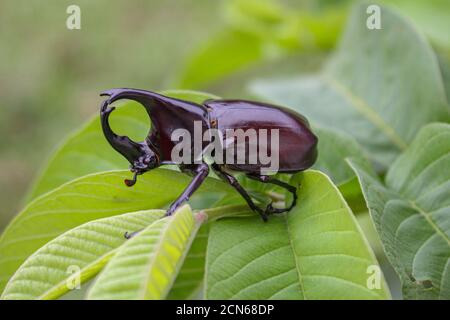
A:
[(132, 182)]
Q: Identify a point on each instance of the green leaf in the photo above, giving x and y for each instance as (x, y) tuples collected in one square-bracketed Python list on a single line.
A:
[(411, 212), (287, 27), (190, 278), (444, 62), (374, 80), (316, 251), (145, 267), (87, 151), (259, 32), (189, 282), (47, 273), (432, 16), (334, 147), (200, 71), (88, 198), (352, 193)]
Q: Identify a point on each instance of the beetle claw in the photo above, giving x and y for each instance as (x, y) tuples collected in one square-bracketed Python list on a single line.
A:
[(131, 182), (265, 217), (262, 213), (271, 210), (130, 149), (129, 235)]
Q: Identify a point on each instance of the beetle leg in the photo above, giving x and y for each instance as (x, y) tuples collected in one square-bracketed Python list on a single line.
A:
[(200, 173), (268, 179), (235, 184)]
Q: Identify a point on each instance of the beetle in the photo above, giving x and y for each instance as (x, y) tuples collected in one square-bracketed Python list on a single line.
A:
[(297, 148)]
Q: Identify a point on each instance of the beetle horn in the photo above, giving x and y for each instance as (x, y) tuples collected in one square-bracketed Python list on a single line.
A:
[(142, 96), (125, 146)]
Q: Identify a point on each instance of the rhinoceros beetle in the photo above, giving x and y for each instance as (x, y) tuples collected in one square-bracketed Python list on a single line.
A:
[(297, 143)]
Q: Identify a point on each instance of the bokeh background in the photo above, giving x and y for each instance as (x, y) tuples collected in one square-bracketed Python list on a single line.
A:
[(50, 77)]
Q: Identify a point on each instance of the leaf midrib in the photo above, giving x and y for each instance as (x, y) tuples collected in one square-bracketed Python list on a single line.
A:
[(364, 109), (152, 258), (430, 221), (190, 240), (103, 258), (297, 264)]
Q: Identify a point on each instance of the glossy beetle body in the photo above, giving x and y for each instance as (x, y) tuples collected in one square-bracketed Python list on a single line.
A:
[(297, 148)]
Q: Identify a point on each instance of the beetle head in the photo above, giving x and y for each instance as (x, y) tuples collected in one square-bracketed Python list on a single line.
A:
[(141, 157), (147, 161)]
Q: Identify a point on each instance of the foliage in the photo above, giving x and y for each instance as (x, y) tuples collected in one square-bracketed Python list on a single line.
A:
[(411, 211), (148, 264), (259, 31), (303, 255), (374, 103), (89, 247), (369, 85)]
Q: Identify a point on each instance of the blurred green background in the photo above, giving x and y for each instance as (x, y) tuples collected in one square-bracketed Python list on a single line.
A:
[(51, 76)]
